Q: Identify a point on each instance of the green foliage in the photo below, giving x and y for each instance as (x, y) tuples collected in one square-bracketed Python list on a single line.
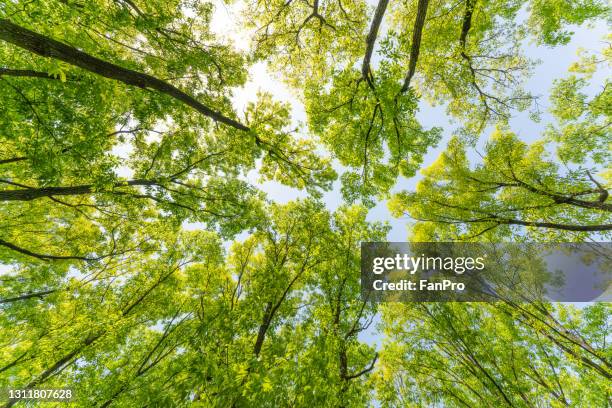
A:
[(507, 353), (550, 19), (476, 355), (139, 266), (275, 320), (583, 131), (515, 186), (467, 56)]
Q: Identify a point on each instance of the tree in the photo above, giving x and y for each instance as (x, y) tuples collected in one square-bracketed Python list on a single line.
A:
[(510, 352), (86, 106), (514, 187), (268, 323), (518, 185), (461, 355), (118, 128), (362, 96)]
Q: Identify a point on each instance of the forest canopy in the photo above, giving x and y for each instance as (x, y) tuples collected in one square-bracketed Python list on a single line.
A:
[(142, 263)]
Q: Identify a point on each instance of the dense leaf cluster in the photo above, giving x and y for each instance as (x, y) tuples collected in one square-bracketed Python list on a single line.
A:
[(141, 267)]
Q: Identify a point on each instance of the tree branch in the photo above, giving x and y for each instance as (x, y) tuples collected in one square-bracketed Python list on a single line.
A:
[(371, 38), (28, 296), (28, 73), (47, 47), (43, 257), (417, 33), (13, 160), (29, 194), (365, 370)]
